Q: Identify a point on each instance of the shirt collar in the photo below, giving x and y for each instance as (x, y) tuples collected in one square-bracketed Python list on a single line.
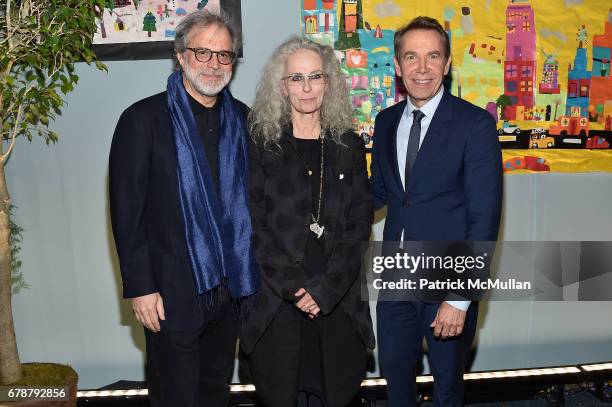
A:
[(428, 108), (197, 107)]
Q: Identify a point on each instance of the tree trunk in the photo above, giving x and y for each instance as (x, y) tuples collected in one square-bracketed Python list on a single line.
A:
[(10, 367)]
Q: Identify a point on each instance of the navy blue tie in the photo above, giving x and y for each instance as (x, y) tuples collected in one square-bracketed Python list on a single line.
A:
[(413, 144)]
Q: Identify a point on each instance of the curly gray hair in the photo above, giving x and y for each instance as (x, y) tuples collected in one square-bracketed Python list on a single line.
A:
[(271, 112)]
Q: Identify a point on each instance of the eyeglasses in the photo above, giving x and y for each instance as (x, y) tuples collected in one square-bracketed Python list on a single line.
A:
[(204, 55), (298, 79)]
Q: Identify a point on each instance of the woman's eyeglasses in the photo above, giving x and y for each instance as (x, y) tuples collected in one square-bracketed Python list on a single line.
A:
[(298, 79)]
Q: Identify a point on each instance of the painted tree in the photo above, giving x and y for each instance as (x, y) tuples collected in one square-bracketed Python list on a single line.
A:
[(149, 23), (501, 102), (557, 103), (39, 44)]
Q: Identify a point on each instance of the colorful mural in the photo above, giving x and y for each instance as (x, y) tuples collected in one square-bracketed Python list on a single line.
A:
[(540, 67)]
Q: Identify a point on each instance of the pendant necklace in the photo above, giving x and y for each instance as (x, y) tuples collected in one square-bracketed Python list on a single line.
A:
[(314, 226)]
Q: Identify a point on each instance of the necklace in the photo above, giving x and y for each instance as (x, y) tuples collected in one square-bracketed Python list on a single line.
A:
[(314, 226)]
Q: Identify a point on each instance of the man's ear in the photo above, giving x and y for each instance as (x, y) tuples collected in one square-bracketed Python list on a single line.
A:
[(398, 71), (181, 59), (447, 66)]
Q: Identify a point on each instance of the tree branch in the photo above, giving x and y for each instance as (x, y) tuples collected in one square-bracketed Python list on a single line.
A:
[(8, 24), (6, 155), (16, 125)]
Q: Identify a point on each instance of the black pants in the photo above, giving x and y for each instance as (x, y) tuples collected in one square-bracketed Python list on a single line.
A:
[(324, 358), (193, 368)]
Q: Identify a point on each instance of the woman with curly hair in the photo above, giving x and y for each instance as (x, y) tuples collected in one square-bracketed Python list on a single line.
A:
[(307, 331)]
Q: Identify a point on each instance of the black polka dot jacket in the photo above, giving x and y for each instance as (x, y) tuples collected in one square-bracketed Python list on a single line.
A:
[(280, 204)]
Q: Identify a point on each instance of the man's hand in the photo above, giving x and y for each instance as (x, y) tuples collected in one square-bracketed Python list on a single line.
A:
[(448, 322), (307, 304), (149, 309)]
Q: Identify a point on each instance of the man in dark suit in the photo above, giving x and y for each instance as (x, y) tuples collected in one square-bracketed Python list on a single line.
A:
[(179, 207), (436, 165)]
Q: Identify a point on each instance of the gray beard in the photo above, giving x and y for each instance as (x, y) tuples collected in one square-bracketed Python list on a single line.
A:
[(207, 89)]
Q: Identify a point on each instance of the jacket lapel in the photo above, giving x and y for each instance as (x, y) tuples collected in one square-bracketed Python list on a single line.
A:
[(392, 150)]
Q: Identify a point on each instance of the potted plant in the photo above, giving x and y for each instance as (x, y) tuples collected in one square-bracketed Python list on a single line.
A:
[(39, 45)]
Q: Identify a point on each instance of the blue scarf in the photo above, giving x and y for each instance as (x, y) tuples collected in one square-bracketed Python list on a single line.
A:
[(217, 225)]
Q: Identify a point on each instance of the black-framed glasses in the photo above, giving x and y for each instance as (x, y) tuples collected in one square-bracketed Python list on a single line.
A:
[(298, 79), (205, 54)]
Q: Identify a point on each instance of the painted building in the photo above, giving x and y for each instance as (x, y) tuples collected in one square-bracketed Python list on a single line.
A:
[(550, 76), (600, 106), (578, 85), (311, 24), (520, 63), (349, 24), (327, 20), (350, 15), (319, 16)]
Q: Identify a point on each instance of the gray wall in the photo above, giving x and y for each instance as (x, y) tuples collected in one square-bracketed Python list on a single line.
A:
[(74, 313)]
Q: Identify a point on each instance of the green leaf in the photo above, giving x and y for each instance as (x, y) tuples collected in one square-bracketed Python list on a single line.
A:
[(101, 66)]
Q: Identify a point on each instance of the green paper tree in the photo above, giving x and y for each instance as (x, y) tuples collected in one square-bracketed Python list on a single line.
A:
[(149, 23)]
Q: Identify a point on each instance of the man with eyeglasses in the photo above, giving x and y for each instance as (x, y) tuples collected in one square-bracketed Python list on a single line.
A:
[(178, 197)]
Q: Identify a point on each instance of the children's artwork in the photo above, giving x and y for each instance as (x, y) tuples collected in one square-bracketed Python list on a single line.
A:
[(541, 68), (138, 29)]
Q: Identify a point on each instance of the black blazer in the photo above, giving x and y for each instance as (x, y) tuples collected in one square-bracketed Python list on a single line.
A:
[(281, 202), (146, 213)]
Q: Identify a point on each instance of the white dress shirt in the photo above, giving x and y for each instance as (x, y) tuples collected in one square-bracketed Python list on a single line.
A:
[(403, 133)]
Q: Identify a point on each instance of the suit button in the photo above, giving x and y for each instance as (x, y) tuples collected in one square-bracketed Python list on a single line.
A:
[(406, 203), (298, 261)]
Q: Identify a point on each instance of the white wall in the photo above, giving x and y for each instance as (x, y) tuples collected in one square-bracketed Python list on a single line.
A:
[(73, 312)]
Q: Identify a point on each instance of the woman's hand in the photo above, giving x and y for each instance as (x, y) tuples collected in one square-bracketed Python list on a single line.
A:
[(307, 304)]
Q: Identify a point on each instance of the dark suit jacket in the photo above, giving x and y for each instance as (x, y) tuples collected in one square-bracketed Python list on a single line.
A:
[(281, 202), (455, 188), (146, 214)]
